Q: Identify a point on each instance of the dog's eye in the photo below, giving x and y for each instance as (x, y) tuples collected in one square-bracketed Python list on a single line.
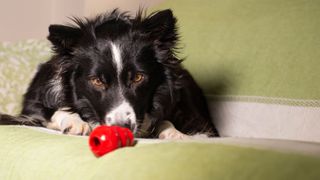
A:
[(97, 82), (138, 78)]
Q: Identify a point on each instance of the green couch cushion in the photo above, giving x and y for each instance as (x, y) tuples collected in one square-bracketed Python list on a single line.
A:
[(18, 63), (266, 48), (30, 154)]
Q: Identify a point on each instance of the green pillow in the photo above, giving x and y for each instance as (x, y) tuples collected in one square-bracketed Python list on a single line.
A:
[(30, 154), (18, 63)]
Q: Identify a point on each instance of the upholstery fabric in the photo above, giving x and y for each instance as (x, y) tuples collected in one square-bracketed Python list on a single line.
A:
[(18, 63), (266, 48), (29, 154)]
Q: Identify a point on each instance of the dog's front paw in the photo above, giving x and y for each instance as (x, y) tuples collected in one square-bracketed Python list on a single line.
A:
[(173, 134), (69, 123), (166, 130), (75, 126)]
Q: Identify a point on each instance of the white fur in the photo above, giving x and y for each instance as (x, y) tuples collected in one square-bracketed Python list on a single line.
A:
[(55, 87), (166, 130), (55, 91), (63, 120), (116, 56), (121, 114)]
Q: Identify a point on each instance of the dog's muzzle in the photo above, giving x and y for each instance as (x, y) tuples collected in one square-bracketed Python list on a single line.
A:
[(122, 115)]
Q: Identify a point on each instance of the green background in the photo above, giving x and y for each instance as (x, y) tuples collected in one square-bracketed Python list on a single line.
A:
[(267, 48)]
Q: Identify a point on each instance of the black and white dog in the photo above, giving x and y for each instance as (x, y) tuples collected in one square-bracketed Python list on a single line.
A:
[(116, 70)]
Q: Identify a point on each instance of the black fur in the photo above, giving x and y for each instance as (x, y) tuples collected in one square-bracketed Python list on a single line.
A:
[(149, 45)]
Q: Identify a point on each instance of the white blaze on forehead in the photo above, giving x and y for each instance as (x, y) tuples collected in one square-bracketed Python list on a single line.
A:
[(123, 114), (116, 56)]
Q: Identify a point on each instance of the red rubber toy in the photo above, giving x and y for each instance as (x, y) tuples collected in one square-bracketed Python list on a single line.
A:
[(104, 139)]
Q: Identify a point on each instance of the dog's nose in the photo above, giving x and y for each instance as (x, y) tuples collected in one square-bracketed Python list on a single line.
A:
[(122, 115), (120, 119), (128, 125)]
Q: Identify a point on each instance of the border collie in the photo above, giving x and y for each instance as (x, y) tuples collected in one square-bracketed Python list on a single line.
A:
[(116, 70)]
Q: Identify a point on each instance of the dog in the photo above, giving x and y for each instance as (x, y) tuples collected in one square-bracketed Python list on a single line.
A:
[(116, 69)]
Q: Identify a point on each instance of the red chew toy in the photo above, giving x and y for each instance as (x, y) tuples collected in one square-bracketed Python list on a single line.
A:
[(104, 139)]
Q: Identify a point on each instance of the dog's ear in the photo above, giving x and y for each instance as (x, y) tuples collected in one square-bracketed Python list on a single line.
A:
[(161, 27), (63, 38)]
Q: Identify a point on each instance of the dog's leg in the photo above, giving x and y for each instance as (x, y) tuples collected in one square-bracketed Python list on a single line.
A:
[(166, 130), (68, 123)]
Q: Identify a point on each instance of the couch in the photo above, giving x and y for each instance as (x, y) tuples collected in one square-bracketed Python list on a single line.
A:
[(258, 64)]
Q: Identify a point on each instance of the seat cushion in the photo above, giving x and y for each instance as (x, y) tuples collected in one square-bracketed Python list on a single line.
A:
[(31, 154)]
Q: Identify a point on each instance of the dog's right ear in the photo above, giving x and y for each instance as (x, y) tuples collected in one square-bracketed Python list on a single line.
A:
[(161, 27), (63, 38)]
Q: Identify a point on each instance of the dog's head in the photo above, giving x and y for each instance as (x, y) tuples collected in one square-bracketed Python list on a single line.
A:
[(118, 63)]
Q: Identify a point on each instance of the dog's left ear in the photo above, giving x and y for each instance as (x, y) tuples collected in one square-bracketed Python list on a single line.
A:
[(161, 27), (63, 38)]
